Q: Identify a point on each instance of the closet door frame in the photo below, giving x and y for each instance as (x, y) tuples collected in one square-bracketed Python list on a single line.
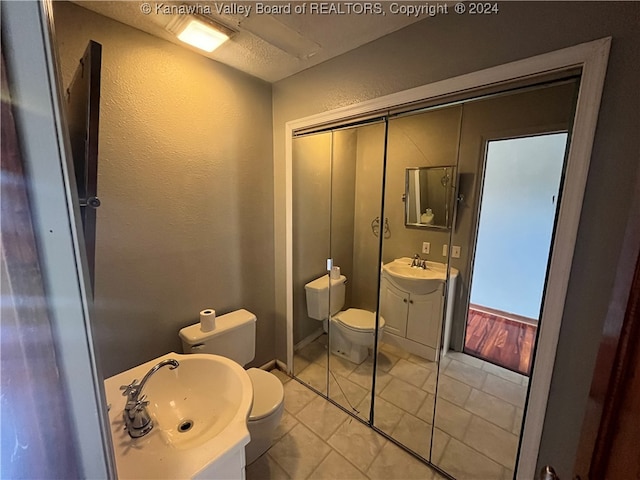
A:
[(591, 58)]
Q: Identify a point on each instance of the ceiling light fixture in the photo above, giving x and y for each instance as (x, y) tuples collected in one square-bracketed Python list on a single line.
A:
[(199, 32)]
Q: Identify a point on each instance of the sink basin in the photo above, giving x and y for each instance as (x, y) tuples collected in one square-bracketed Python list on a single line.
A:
[(199, 411), (414, 279)]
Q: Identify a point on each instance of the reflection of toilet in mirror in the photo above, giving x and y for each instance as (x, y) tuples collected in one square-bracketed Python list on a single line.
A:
[(352, 331)]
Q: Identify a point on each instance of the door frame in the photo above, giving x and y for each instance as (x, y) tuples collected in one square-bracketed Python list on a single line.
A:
[(29, 39), (513, 134), (592, 58)]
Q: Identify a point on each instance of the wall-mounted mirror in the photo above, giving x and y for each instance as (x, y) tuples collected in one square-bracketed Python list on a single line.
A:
[(430, 196)]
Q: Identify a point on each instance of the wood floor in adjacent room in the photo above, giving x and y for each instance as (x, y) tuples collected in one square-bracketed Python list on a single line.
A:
[(505, 342)]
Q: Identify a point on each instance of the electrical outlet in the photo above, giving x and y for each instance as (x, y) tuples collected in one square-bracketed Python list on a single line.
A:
[(426, 247), (455, 251), (445, 250)]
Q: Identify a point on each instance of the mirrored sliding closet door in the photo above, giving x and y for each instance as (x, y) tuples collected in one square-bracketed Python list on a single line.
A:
[(337, 191), (356, 229), (511, 161), (420, 206), (421, 248), (311, 174)]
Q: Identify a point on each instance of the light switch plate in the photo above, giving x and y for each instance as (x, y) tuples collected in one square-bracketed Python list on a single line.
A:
[(455, 251), (445, 250), (426, 247)]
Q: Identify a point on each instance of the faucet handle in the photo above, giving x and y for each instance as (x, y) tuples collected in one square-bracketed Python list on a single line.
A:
[(139, 404), (138, 414), (135, 406), (128, 390)]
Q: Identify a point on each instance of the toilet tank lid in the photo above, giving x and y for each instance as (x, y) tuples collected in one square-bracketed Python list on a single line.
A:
[(224, 323), (268, 393), (323, 282)]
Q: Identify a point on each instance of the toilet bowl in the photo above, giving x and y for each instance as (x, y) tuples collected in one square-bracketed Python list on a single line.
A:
[(353, 333), (234, 337), (266, 412)]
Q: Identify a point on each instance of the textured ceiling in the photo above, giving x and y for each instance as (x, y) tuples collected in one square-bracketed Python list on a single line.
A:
[(268, 46)]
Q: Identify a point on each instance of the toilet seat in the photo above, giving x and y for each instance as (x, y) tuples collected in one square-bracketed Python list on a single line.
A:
[(358, 320), (268, 393)]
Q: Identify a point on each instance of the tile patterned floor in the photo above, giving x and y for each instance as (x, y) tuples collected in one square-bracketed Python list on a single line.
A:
[(477, 419), (317, 440)]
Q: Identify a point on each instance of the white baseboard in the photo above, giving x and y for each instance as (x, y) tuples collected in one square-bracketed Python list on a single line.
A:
[(282, 366), (308, 339), (410, 346), (269, 365)]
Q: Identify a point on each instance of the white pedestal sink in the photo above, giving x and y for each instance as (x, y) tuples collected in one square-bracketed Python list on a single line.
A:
[(417, 280), (199, 411), (412, 304)]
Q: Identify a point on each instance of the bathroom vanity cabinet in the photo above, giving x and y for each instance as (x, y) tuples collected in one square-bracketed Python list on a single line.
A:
[(412, 321)]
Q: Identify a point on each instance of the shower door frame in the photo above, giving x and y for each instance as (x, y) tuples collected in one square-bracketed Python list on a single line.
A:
[(592, 58)]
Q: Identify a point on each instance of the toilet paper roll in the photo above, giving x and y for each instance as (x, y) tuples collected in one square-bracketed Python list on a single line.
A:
[(207, 320), (335, 273)]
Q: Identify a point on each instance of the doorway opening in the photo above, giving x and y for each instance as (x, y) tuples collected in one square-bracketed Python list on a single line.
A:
[(518, 209)]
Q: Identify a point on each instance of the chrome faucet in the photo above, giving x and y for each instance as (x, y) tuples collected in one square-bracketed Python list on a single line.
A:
[(418, 262), (136, 417)]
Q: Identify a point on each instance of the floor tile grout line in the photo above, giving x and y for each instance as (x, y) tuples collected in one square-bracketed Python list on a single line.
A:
[(369, 464), (475, 449), (313, 433), (480, 389), (519, 382), (405, 412), (486, 373), (461, 440), (334, 430), (332, 448), (446, 444), (318, 466), (276, 462), (464, 407)]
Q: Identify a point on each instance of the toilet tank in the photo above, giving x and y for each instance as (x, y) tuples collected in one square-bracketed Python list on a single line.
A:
[(317, 292), (234, 337)]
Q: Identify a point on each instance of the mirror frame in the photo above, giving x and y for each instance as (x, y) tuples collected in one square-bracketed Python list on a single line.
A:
[(449, 210)]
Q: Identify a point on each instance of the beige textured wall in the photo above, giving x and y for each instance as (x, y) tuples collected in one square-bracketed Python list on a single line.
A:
[(324, 175), (427, 139), (368, 205), (343, 180), (186, 182), (311, 175), (449, 45)]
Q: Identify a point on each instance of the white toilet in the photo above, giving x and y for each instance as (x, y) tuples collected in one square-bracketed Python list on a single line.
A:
[(352, 331), (234, 337)]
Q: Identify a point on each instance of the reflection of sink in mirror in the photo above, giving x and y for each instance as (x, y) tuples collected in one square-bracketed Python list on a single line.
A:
[(412, 303), (415, 279), (199, 411)]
